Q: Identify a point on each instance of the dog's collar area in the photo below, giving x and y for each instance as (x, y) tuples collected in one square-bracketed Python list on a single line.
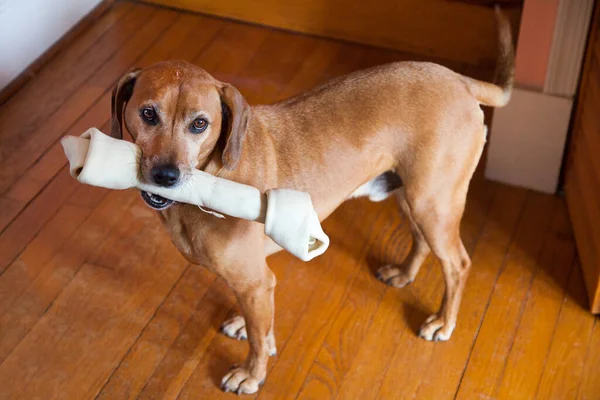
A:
[(155, 201)]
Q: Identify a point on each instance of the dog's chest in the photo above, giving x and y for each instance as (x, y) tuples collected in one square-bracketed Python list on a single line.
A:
[(181, 233)]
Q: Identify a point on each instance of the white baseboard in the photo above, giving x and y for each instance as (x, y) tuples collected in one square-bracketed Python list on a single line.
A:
[(528, 140)]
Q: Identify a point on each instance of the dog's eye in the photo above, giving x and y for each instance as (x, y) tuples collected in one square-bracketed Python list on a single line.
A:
[(149, 115), (199, 125)]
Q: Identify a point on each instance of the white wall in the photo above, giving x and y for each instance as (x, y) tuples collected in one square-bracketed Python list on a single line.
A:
[(528, 136), (29, 27)]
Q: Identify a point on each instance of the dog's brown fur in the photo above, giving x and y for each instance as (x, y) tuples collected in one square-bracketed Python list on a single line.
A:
[(419, 120)]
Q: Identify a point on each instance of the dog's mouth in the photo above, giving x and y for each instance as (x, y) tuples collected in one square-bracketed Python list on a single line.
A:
[(156, 202)]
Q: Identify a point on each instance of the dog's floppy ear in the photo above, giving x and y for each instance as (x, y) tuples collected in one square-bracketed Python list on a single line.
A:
[(235, 116), (120, 96)]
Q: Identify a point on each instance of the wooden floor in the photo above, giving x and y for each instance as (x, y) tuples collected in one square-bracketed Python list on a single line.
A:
[(95, 302)]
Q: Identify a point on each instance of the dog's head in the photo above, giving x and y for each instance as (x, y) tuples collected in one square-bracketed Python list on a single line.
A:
[(179, 116)]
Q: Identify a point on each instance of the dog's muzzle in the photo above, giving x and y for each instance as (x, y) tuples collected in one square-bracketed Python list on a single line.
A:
[(156, 202)]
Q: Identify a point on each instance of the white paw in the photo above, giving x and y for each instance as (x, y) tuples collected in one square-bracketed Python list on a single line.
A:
[(393, 275), (239, 381), (235, 328), (435, 329)]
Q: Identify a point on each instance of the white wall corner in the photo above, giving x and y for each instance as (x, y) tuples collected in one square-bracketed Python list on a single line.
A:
[(528, 136), (528, 139), (30, 27)]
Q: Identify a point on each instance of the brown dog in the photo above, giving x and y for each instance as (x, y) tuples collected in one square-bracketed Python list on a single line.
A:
[(418, 124)]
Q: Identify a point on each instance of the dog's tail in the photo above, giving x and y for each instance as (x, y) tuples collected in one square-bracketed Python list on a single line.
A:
[(498, 93)]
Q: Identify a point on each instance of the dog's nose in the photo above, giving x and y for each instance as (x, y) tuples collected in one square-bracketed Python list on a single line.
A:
[(165, 175)]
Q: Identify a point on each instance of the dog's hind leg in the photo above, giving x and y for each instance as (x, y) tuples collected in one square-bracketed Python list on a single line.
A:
[(439, 218), (403, 274), (437, 197)]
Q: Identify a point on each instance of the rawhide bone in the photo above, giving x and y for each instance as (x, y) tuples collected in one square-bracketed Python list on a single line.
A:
[(289, 217)]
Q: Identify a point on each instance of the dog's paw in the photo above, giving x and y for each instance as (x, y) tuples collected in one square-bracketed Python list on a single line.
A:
[(235, 328), (435, 329), (240, 381), (393, 275)]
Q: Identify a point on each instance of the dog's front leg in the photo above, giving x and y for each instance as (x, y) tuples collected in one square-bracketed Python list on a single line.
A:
[(253, 287)]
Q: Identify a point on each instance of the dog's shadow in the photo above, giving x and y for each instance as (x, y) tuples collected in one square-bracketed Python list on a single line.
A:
[(385, 232)]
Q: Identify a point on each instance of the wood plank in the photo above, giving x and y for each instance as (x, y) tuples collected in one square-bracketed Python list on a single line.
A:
[(501, 321), (196, 349), (417, 27), (413, 303), (590, 384), (58, 274), (39, 252), (179, 315), (334, 363), (355, 315), (65, 336), (266, 74), (525, 363), (564, 368), (38, 176), (422, 299), (28, 292), (24, 228), (192, 346), (46, 168), (378, 352), (450, 358), (298, 281), (226, 56), (296, 364), (9, 209), (32, 182), (375, 354), (29, 150), (155, 42), (320, 59)]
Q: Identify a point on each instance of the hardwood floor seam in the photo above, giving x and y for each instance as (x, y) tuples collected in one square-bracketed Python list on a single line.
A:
[(587, 355), (513, 232), (184, 270), (524, 303), (336, 316)]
